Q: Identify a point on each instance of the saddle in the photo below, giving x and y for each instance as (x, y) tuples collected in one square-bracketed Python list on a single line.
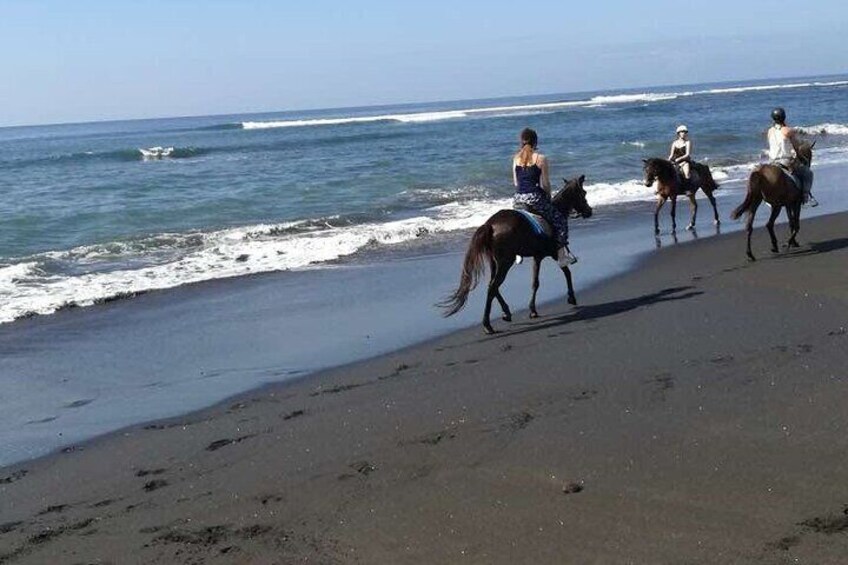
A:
[(540, 226), (691, 185), (789, 171)]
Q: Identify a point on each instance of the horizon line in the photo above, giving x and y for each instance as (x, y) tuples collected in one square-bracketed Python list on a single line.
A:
[(410, 103)]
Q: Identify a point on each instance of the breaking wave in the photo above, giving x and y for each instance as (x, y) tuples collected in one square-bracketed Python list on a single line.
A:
[(512, 110)]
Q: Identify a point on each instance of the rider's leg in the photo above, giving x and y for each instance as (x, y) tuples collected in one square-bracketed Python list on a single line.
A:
[(560, 225), (686, 168), (806, 176)]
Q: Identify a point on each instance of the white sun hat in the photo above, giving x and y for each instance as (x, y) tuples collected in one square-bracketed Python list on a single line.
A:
[(681, 128)]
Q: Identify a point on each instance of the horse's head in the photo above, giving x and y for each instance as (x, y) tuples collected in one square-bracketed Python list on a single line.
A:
[(572, 197), (804, 152), (654, 168)]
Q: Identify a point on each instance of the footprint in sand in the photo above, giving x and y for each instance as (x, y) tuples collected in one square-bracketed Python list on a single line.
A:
[(155, 484), (585, 395), (294, 414), (148, 472), (16, 476), (79, 403)]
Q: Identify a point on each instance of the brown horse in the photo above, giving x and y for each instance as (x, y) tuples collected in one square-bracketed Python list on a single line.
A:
[(504, 236), (671, 184), (774, 185)]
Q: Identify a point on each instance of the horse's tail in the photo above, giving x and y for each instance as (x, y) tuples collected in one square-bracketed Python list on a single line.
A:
[(753, 190), (472, 268)]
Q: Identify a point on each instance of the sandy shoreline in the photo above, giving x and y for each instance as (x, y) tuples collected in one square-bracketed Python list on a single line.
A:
[(691, 411)]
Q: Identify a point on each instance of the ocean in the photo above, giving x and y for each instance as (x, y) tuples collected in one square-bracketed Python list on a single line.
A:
[(95, 211), (356, 219)]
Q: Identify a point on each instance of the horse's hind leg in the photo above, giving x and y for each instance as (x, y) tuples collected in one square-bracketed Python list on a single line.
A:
[(693, 212), (534, 287), (507, 315), (571, 299), (775, 212), (749, 226), (499, 271)]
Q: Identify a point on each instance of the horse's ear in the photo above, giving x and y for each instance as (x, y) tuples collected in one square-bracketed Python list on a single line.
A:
[(645, 161), (582, 179)]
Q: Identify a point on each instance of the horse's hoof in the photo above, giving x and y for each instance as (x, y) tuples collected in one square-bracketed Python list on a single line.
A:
[(690, 227), (506, 317), (717, 222), (572, 301), (751, 257), (534, 315), (488, 330)]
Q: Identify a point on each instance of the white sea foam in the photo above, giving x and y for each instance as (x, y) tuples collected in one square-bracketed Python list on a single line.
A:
[(156, 152), (501, 111), (825, 129), (639, 144), (172, 260)]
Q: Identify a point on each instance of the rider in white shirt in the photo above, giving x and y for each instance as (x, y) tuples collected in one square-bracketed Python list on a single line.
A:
[(783, 141)]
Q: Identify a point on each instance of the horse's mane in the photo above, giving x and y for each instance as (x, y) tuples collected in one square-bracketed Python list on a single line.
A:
[(805, 151), (660, 164), (562, 193)]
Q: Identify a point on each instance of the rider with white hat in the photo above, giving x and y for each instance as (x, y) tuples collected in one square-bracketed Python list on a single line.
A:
[(681, 151)]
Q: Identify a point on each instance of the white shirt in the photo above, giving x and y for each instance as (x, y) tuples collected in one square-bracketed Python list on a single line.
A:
[(780, 147)]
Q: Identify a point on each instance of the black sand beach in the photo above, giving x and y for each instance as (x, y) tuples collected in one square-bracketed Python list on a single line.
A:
[(691, 411)]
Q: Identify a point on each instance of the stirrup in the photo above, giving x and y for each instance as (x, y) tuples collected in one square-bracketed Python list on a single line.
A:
[(565, 257)]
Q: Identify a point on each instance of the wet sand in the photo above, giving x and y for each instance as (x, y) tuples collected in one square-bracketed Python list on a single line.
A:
[(691, 411)]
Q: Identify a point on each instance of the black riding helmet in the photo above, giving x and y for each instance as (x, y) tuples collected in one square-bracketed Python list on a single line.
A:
[(778, 115)]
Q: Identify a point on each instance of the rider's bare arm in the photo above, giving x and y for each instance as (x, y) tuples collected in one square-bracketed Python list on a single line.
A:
[(792, 135), (514, 174), (545, 181), (671, 153)]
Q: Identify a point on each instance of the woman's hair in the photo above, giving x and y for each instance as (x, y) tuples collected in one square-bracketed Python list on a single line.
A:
[(529, 142)]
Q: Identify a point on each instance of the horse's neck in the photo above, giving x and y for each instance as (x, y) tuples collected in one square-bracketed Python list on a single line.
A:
[(666, 170), (562, 206)]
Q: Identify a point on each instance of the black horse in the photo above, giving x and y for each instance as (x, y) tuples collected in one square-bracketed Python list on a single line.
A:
[(504, 236), (671, 184), (772, 184)]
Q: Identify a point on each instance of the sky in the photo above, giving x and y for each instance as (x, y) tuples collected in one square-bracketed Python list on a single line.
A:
[(89, 60)]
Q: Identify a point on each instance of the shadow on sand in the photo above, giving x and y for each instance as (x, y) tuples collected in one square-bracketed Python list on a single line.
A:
[(816, 247), (606, 309)]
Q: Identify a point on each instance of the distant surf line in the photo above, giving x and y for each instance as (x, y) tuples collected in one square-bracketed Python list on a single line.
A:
[(502, 111)]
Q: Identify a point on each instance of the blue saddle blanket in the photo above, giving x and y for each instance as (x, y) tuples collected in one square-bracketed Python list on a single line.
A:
[(540, 226)]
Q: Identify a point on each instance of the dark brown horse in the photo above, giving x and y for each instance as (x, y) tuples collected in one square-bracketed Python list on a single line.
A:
[(671, 184), (772, 184), (504, 236)]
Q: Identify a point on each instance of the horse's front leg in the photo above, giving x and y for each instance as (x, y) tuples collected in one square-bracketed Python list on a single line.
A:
[(674, 213), (712, 200), (794, 214), (571, 298), (693, 212), (660, 202), (534, 286)]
